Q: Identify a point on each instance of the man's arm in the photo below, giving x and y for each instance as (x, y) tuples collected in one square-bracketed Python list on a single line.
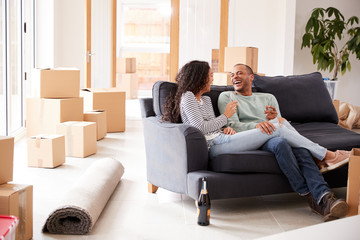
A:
[(233, 121)]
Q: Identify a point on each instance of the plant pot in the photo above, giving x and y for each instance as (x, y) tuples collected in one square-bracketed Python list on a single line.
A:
[(332, 87)]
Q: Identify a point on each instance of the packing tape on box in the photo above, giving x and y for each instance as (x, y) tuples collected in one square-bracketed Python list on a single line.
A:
[(22, 214), (37, 142), (40, 162), (22, 208)]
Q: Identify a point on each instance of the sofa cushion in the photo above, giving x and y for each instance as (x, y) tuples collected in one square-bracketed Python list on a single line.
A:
[(160, 91), (329, 135), (301, 98), (214, 95), (257, 161)]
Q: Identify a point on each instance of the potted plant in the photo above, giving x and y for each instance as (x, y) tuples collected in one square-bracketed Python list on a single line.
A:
[(332, 39)]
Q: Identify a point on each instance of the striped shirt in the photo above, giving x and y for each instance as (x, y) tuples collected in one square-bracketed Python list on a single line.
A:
[(201, 115)]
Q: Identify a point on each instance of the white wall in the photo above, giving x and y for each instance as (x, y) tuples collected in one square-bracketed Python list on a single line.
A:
[(199, 30), (267, 25), (349, 85), (69, 35), (60, 40), (44, 36)]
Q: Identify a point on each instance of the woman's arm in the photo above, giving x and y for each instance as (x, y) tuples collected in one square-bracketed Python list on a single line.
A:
[(201, 117)]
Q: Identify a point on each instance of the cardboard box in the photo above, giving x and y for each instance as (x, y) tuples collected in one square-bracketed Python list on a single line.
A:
[(128, 82), (112, 100), (6, 159), (126, 65), (17, 200), (43, 115), (99, 117), (57, 82), (353, 186), (47, 151), (215, 56), (222, 79), (80, 138), (244, 55)]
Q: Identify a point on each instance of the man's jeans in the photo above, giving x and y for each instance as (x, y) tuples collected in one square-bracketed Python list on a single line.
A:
[(299, 167)]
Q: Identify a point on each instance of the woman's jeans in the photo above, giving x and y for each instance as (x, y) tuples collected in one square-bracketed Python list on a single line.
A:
[(254, 139)]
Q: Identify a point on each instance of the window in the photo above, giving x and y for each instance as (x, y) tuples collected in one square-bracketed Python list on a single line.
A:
[(11, 95), (145, 35)]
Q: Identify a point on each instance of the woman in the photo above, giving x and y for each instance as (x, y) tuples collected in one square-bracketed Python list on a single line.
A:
[(194, 79)]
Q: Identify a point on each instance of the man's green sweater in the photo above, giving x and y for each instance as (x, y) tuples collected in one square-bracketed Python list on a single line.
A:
[(250, 110)]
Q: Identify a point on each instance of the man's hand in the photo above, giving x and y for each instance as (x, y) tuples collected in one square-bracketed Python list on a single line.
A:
[(266, 127), (229, 131), (270, 112)]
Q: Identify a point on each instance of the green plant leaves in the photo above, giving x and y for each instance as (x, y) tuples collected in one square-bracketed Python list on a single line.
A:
[(323, 31)]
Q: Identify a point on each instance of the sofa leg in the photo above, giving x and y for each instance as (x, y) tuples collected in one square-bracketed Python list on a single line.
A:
[(152, 188)]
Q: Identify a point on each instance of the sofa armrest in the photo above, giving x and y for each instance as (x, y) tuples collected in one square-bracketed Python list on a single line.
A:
[(146, 107), (173, 150)]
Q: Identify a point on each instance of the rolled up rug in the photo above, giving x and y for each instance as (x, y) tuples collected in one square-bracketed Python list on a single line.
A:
[(82, 205)]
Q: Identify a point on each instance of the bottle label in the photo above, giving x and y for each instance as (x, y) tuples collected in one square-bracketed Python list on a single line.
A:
[(204, 191)]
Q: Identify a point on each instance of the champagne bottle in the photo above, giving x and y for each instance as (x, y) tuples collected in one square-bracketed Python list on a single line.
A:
[(203, 205)]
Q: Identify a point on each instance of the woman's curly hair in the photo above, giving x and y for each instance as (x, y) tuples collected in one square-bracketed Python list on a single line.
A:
[(193, 76)]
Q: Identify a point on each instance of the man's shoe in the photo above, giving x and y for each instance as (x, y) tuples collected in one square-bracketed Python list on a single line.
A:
[(332, 207), (312, 204), (321, 165)]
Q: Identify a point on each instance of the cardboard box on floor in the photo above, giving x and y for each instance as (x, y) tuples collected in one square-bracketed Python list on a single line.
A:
[(128, 82), (215, 56), (99, 117), (126, 65), (112, 100), (222, 79), (353, 186), (80, 138), (47, 151), (244, 55), (43, 115), (57, 82), (6, 159), (17, 200)]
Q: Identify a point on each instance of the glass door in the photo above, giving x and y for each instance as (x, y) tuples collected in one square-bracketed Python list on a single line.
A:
[(11, 89), (144, 34)]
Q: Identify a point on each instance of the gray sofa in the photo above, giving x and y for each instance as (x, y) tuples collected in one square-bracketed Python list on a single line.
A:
[(177, 155)]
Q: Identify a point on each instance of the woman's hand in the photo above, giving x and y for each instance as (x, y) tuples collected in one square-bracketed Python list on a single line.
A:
[(229, 131), (230, 109), (281, 119)]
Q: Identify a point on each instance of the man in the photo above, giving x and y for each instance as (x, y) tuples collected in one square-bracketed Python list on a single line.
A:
[(255, 110)]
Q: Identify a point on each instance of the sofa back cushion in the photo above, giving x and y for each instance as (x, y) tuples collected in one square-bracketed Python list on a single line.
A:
[(214, 95), (301, 98), (160, 91)]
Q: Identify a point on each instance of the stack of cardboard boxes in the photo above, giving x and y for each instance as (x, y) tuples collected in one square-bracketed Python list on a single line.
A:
[(112, 101), (126, 77), (215, 55), (57, 102), (15, 199), (235, 55)]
